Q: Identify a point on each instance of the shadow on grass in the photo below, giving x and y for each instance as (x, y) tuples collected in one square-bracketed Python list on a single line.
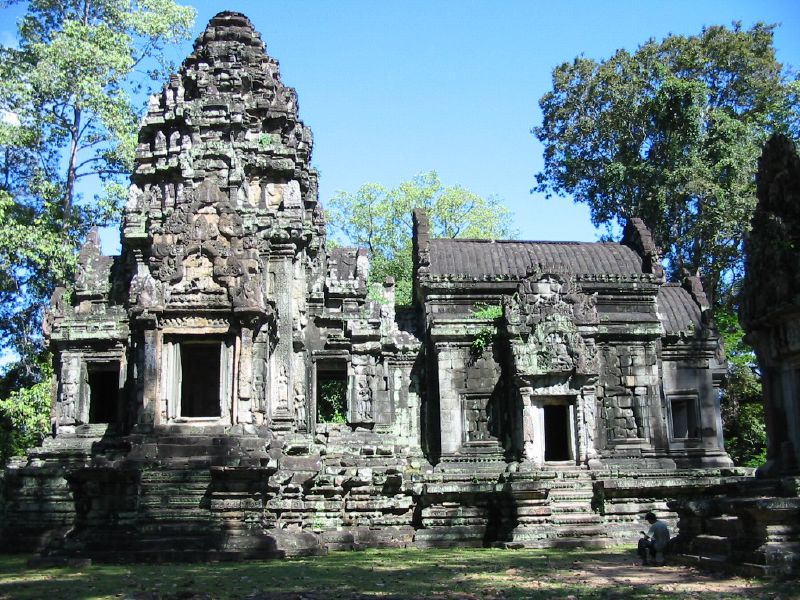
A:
[(386, 574)]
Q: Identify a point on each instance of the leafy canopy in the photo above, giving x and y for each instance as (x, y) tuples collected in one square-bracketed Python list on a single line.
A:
[(380, 221), (671, 133), (67, 106), (68, 97), (741, 403)]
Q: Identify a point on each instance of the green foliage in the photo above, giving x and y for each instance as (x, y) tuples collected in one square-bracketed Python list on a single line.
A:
[(485, 335), (332, 403), (741, 403), (25, 417), (671, 133), (66, 115), (32, 256), (489, 312), (747, 441), (380, 221)]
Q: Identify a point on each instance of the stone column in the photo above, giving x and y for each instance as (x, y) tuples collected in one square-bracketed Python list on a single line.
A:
[(588, 420), (69, 392), (281, 368), (450, 424), (150, 411), (532, 428), (244, 412)]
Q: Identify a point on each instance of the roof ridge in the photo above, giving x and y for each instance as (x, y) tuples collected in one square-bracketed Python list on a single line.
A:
[(549, 242)]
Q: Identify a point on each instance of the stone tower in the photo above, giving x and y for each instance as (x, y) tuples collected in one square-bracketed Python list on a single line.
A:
[(221, 235)]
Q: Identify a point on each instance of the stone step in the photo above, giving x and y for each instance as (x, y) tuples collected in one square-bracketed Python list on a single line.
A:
[(172, 490), (571, 493), (170, 501), (576, 519), (597, 542), (570, 496), (726, 526), (722, 563), (711, 545), (570, 507), (570, 484), (174, 475), (182, 450), (581, 531)]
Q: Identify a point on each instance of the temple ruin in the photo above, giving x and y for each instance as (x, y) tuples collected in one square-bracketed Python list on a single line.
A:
[(192, 414)]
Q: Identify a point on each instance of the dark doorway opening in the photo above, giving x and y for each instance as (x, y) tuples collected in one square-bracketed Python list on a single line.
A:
[(556, 432), (103, 393), (200, 368), (332, 392)]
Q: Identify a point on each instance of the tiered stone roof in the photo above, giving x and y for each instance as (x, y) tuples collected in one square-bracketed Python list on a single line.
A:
[(501, 258), (677, 310)]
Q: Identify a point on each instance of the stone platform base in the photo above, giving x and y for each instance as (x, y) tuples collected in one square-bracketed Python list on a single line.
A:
[(204, 495)]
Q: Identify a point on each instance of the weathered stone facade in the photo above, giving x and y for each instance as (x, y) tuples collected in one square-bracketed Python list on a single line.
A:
[(754, 526), (535, 394)]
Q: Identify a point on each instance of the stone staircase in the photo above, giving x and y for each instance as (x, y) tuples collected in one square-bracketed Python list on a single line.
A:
[(174, 517), (362, 495), (554, 509), (576, 523), (726, 546), (753, 529), (714, 549)]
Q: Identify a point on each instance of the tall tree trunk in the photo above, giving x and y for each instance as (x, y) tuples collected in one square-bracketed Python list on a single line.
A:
[(73, 158), (75, 132)]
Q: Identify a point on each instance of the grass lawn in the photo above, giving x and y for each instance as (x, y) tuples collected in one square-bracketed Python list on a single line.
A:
[(389, 575)]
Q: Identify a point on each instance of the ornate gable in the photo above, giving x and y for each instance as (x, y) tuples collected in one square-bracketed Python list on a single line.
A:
[(545, 320)]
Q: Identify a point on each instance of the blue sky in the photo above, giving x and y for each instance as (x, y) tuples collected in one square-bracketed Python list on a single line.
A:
[(391, 89)]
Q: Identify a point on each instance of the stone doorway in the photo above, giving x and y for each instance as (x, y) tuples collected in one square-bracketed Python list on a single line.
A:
[(196, 378), (103, 383), (557, 432), (331, 391), (200, 368), (550, 432)]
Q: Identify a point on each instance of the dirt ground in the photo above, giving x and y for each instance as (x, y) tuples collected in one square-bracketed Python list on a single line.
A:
[(408, 574)]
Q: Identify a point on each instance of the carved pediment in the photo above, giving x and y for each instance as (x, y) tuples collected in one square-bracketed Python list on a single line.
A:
[(203, 256), (543, 318)]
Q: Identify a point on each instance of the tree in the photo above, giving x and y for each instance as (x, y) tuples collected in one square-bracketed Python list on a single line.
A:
[(67, 115), (380, 221), (671, 134), (742, 406), (66, 98)]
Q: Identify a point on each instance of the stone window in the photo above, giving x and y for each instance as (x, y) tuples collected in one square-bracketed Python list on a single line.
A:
[(196, 377), (683, 417), (103, 383), (331, 392)]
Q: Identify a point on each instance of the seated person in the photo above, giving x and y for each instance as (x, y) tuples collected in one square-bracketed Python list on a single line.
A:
[(654, 543)]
